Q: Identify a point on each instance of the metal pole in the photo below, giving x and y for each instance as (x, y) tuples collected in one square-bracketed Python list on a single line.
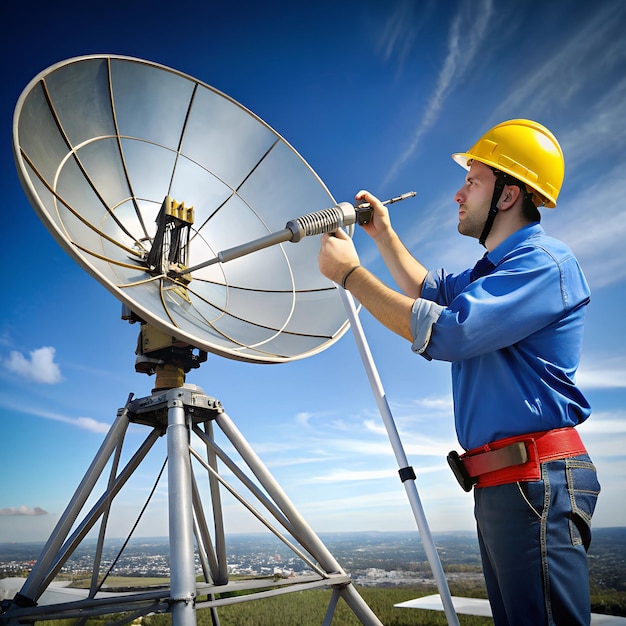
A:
[(408, 478), (182, 568), (332, 605), (218, 517)]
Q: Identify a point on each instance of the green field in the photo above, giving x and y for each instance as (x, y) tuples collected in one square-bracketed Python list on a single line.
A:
[(304, 608)]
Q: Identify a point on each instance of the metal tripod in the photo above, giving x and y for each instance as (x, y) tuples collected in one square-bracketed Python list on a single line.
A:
[(178, 413)]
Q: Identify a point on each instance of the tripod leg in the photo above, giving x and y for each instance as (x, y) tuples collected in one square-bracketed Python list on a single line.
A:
[(332, 605), (221, 575), (206, 552), (182, 568)]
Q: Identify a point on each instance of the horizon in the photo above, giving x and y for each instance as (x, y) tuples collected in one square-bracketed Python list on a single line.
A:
[(269, 535)]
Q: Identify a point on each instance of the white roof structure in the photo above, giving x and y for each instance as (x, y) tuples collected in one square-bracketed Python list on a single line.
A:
[(480, 607)]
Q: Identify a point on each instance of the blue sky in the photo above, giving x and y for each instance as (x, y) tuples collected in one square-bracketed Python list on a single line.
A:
[(373, 95)]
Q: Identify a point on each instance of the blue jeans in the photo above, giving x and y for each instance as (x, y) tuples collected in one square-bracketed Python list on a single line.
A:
[(533, 539)]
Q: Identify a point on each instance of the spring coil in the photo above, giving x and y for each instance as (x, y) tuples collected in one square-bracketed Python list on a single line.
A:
[(324, 221)]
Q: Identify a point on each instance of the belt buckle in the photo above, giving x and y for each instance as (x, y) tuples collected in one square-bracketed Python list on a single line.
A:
[(459, 471)]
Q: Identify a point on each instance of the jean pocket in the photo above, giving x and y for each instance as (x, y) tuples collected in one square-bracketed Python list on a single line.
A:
[(583, 488)]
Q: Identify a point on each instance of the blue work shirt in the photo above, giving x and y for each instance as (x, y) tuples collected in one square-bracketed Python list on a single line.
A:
[(513, 336)]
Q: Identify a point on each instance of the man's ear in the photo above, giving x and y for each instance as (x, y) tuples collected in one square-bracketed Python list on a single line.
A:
[(510, 195)]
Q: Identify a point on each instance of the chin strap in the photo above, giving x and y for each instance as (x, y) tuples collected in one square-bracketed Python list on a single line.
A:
[(493, 210)]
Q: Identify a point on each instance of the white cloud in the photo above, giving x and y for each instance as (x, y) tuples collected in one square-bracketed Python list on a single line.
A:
[(359, 447), (40, 366), (604, 434), (303, 418), (605, 374), (430, 447), (440, 404), (605, 423), (375, 427), (341, 475), (317, 457), (23, 510), (85, 423), (90, 424), (396, 38)]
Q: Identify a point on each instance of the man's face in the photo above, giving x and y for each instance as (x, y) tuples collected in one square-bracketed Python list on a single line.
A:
[(474, 199)]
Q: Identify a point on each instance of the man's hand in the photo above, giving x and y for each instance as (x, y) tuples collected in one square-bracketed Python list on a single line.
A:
[(337, 255), (406, 270), (380, 222)]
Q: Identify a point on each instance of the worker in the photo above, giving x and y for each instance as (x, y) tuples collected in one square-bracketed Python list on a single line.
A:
[(512, 328)]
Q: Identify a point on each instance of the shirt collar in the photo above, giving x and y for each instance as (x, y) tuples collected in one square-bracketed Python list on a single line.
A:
[(514, 240)]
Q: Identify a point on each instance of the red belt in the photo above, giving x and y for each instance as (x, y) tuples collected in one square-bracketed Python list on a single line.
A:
[(518, 458)]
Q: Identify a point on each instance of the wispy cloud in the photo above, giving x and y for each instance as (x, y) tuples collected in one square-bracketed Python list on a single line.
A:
[(303, 418), (308, 418), (606, 423), (590, 215), (363, 440), (599, 132), (23, 511), (438, 404), (604, 434), (343, 508), (84, 423), (593, 225), (38, 366), (87, 423), (467, 31), (401, 29), (604, 374), (593, 51), (343, 475), (374, 426)]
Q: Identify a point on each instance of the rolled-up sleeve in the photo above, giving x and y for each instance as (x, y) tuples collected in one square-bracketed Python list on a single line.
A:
[(424, 315)]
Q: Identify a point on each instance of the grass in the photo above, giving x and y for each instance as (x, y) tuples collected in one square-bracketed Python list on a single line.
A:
[(304, 608)]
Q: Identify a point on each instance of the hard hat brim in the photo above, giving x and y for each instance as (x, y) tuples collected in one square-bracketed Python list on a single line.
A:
[(464, 159)]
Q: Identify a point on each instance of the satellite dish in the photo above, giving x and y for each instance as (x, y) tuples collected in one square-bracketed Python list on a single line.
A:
[(139, 171)]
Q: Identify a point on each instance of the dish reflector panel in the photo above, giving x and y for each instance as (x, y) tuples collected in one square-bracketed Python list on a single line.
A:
[(103, 142)]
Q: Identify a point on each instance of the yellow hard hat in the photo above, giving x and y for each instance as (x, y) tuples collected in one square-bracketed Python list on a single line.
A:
[(526, 150)]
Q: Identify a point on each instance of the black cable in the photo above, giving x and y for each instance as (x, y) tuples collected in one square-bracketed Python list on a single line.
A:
[(132, 530)]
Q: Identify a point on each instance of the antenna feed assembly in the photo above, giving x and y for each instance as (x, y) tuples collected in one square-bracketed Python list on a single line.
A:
[(327, 220), (341, 215), (320, 222), (170, 245)]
